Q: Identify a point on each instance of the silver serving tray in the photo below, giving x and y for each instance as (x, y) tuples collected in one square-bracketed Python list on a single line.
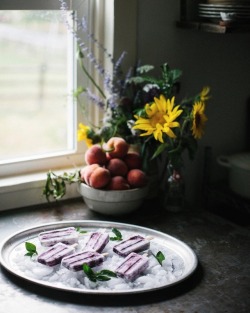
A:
[(176, 246)]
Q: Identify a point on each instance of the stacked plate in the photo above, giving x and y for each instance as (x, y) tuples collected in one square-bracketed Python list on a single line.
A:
[(232, 2), (238, 11)]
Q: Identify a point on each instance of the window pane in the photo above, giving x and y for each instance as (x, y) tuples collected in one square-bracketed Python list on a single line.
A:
[(36, 112)]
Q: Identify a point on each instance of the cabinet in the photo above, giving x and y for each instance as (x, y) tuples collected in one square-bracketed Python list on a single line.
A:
[(207, 26)]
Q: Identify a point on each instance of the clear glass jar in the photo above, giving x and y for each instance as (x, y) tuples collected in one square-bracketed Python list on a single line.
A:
[(174, 195)]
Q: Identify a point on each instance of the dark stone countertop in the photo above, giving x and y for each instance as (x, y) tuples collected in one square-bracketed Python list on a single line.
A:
[(221, 282)]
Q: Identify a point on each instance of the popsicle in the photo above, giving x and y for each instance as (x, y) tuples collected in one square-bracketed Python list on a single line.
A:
[(135, 243), (97, 241), (75, 261), (54, 254), (68, 235), (132, 266)]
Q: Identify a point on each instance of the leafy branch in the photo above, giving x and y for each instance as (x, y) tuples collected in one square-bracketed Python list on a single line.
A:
[(55, 185)]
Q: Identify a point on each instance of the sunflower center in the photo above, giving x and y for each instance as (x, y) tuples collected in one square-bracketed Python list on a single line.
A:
[(157, 118), (197, 120)]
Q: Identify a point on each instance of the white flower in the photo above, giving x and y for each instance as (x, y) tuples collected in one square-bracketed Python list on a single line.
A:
[(148, 87)]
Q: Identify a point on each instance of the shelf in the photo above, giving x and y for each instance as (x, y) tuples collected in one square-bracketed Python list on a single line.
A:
[(212, 27)]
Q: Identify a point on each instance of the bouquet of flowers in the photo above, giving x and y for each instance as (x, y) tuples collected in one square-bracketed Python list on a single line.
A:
[(146, 113), (143, 109)]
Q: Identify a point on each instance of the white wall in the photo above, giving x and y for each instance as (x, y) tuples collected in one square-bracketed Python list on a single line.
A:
[(218, 60)]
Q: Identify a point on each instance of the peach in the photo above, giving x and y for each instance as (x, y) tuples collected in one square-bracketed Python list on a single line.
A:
[(87, 171), (133, 160), (137, 178), (118, 146), (117, 167), (99, 178), (95, 155), (118, 183)]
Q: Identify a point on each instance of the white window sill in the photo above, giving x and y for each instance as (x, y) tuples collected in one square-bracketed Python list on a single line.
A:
[(25, 190)]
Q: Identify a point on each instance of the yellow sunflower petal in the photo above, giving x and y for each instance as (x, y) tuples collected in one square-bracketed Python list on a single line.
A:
[(170, 104), (169, 132), (204, 93), (158, 133), (199, 119), (161, 104)]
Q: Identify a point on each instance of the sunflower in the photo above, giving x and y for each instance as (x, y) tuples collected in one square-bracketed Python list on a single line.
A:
[(204, 94), (82, 134), (161, 116), (199, 119)]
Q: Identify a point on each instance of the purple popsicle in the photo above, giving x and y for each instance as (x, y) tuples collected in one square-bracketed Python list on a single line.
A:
[(97, 241), (54, 255), (67, 235), (135, 243), (132, 266), (75, 261)]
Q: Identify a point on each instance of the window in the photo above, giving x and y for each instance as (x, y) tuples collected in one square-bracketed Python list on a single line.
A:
[(21, 181), (36, 81), (38, 75)]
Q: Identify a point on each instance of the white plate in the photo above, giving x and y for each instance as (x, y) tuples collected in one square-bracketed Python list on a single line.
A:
[(224, 10), (175, 246), (225, 6)]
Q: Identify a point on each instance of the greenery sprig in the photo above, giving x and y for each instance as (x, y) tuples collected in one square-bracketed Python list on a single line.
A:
[(103, 275), (118, 235), (55, 185), (31, 248)]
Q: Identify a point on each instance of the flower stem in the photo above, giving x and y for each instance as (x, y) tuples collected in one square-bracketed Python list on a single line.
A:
[(91, 78)]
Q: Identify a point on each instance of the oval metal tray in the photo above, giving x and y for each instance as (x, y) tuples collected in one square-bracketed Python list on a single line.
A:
[(176, 246)]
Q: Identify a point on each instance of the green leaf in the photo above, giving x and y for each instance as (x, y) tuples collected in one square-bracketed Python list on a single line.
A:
[(144, 69), (80, 90), (103, 275), (159, 257), (136, 80), (118, 235), (89, 272), (79, 230), (29, 254), (108, 273), (160, 149), (176, 73), (102, 278), (31, 248)]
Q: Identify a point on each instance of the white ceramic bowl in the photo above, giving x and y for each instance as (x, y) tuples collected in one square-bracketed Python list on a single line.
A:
[(113, 202)]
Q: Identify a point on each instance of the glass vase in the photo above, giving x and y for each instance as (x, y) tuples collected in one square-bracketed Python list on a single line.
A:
[(174, 190)]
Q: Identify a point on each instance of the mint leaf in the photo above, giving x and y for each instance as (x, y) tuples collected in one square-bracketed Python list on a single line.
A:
[(31, 248), (159, 257), (80, 230), (103, 275), (89, 272), (102, 278), (108, 273), (118, 235)]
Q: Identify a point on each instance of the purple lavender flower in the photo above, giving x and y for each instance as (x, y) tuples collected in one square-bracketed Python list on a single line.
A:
[(94, 98)]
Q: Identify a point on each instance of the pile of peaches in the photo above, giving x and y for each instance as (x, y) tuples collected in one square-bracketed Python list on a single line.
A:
[(112, 166)]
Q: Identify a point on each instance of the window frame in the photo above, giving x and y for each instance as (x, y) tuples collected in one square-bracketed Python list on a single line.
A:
[(25, 189)]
